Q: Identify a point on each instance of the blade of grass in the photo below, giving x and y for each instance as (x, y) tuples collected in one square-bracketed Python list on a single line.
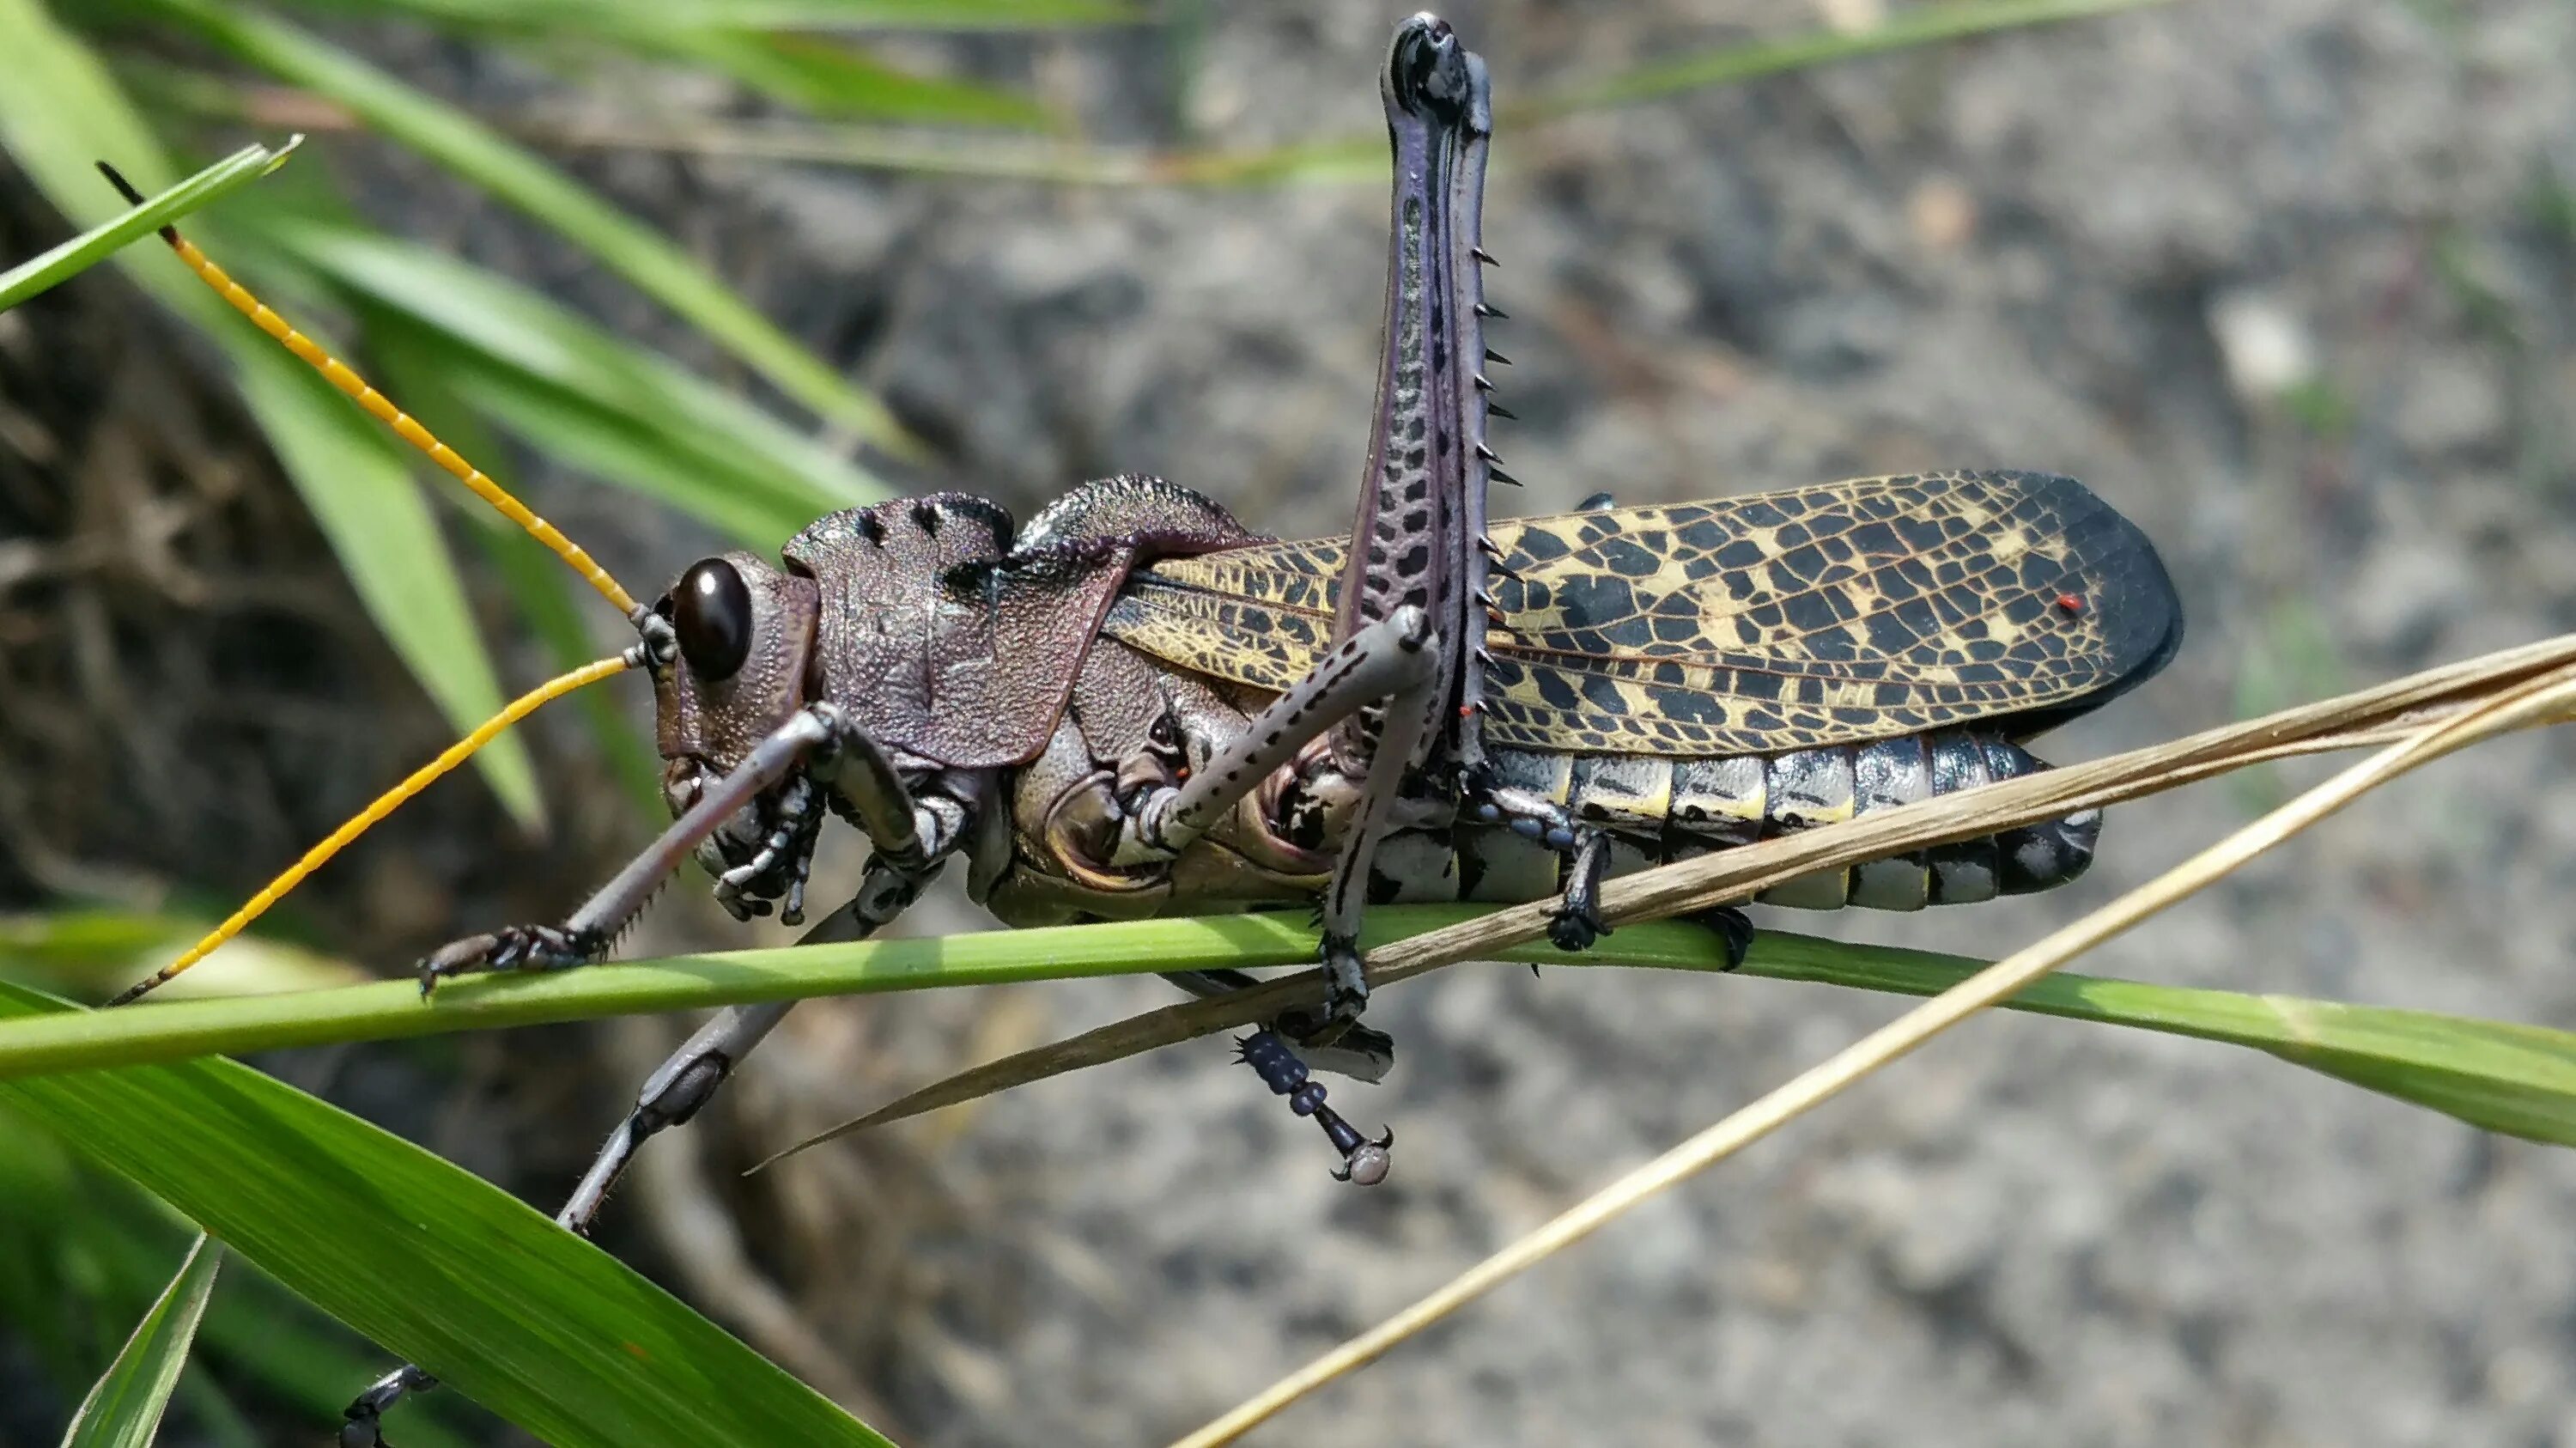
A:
[(266, 1341), (535, 578), (123, 1409), (848, 15), (360, 488), (1327, 159), (599, 442), (1332, 159), (92, 952), (614, 410), (1915, 25), (2520, 1080), (644, 257), (76, 1242), (60, 264), (59, 113), (432, 1263), (827, 75), (388, 1010), (833, 78), (2511, 1078)]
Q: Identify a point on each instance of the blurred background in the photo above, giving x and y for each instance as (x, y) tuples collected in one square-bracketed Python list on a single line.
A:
[(2291, 282)]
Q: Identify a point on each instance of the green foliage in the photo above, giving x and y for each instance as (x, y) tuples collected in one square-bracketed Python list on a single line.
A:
[(598, 404), (608, 408), (653, 263), (2517, 1079), (1913, 27), (92, 952), (62, 263), (124, 1407), (424, 1258), (62, 112)]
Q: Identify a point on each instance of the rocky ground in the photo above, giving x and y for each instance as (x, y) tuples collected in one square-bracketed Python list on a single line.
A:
[(2293, 283)]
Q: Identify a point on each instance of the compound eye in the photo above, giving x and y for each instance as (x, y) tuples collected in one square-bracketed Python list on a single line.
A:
[(711, 612)]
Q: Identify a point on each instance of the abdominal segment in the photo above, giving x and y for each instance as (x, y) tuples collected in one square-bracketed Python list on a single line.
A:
[(1658, 810)]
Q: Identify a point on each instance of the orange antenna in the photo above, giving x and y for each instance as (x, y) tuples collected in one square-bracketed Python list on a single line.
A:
[(338, 374), (358, 824)]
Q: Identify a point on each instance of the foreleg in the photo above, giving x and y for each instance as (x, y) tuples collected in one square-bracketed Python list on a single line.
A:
[(819, 738)]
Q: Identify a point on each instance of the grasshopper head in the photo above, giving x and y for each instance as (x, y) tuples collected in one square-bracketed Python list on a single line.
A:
[(741, 634)]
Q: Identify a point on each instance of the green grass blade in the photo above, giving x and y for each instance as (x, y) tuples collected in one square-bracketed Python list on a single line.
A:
[(2511, 1078), (59, 112), (76, 1244), (123, 1409), (2500, 1075), (651, 262), (832, 78), (573, 17), (427, 1260), (607, 407), (1913, 26), (62, 263), (541, 587)]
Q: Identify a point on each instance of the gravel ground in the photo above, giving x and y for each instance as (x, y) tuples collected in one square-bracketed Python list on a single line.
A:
[(2288, 281)]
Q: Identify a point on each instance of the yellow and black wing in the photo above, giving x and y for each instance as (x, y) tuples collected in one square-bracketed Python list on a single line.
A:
[(1832, 614)]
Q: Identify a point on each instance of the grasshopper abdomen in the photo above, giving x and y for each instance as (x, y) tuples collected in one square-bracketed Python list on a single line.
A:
[(1658, 810)]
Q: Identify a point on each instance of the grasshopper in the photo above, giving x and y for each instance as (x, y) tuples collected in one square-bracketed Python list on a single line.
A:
[(1134, 705)]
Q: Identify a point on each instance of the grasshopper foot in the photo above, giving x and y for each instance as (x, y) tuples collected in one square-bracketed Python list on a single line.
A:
[(364, 1428), (512, 947), (1733, 927), (1364, 1162), (1577, 922)]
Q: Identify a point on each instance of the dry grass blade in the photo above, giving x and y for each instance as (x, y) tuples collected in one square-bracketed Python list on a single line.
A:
[(2546, 699), (2361, 719)]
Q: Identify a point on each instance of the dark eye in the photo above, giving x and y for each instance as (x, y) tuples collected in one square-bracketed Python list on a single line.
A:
[(711, 611)]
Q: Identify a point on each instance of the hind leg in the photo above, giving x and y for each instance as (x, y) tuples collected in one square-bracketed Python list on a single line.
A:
[(1418, 540)]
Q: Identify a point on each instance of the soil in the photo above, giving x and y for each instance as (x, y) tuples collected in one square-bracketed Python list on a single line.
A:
[(2292, 283)]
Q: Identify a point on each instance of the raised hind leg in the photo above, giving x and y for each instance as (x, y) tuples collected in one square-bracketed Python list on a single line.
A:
[(1418, 540)]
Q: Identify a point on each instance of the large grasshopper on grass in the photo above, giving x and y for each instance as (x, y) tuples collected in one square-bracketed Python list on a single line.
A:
[(1136, 706)]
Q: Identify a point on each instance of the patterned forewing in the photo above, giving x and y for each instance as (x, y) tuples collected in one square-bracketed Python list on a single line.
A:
[(1832, 614)]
